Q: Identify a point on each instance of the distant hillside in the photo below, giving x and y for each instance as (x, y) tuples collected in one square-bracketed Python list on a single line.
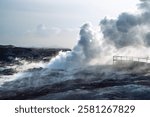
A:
[(9, 52)]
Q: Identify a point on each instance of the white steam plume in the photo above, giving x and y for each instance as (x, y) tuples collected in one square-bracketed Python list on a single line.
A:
[(89, 46), (128, 35)]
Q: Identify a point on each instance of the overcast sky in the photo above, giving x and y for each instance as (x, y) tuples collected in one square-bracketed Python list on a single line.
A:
[(54, 23)]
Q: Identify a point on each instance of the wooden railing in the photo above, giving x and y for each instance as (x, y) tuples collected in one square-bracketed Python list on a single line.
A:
[(123, 59)]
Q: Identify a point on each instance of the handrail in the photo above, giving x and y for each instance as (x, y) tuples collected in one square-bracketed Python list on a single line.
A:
[(131, 58)]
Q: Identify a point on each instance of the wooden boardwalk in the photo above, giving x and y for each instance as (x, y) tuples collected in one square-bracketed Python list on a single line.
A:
[(128, 59)]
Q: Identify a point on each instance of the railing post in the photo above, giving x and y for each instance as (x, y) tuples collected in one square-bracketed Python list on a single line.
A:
[(113, 59)]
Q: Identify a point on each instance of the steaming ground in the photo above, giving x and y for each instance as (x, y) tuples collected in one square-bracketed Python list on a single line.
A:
[(91, 82), (87, 72)]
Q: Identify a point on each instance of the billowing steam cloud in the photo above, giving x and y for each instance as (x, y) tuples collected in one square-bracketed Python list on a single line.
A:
[(86, 49), (129, 29), (127, 35)]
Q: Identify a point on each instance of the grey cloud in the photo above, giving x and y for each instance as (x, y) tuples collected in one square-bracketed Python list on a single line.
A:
[(147, 39), (128, 29), (126, 21), (42, 30), (145, 5)]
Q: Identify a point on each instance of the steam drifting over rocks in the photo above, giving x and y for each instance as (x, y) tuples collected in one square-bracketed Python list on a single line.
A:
[(127, 35), (84, 72)]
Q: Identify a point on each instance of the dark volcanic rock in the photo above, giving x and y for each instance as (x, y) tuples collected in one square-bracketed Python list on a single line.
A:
[(7, 72), (8, 53)]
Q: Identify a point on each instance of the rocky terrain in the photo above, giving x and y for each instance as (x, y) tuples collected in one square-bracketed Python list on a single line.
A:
[(11, 55), (23, 77), (97, 82)]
